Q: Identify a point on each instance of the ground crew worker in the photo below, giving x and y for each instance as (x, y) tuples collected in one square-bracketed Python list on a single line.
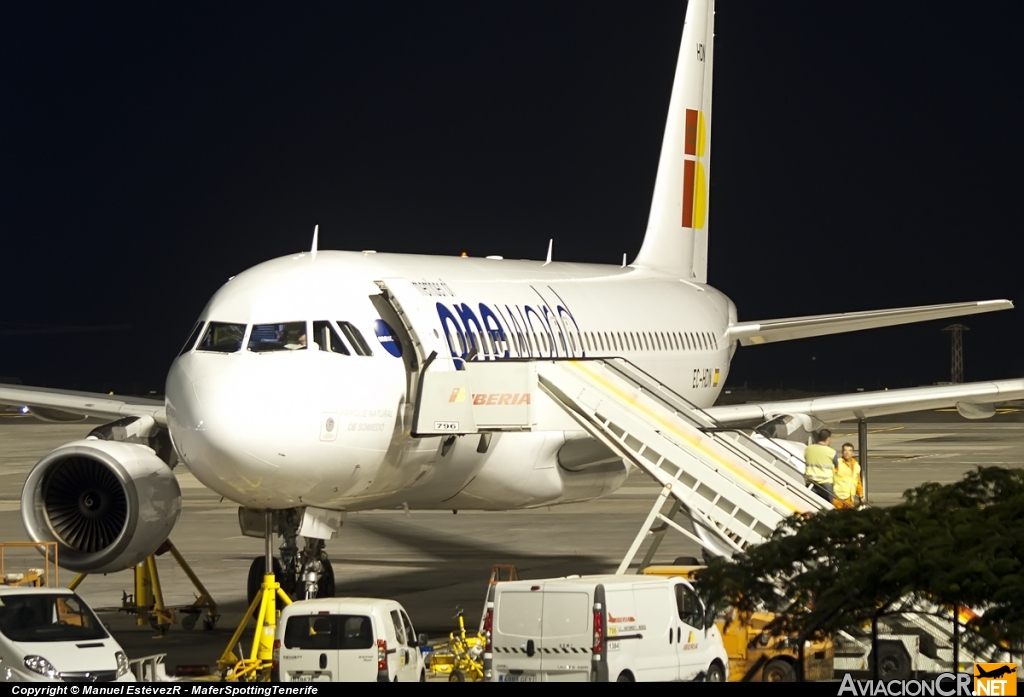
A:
[(847, 482), (821, 462)]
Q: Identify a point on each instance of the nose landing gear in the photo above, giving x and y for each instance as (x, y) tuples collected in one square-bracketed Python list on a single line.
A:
[(304, 572), (308, 570)]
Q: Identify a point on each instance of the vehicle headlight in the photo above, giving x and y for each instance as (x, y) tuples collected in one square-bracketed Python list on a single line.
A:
[(122, 663), (38, 664)]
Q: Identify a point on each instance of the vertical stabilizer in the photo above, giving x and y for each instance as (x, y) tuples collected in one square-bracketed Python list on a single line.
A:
[(677, 230)]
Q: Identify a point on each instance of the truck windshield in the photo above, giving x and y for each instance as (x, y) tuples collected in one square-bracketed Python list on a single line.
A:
[(48, 617)]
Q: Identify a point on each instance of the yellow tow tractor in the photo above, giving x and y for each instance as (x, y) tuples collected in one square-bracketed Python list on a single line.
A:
[(755, 655), (461, 658)]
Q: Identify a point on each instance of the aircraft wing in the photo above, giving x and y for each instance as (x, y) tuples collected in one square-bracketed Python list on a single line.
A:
[(67, 406), (974, 400), (768, 331)]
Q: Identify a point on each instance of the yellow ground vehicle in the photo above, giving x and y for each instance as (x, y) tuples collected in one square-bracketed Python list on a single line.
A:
[(461, 658), (755, 655)]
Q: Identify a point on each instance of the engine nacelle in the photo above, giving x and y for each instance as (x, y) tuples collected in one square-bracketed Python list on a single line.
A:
[(108, 505), (799, 428)]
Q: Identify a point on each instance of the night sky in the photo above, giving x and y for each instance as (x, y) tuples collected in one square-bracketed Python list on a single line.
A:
[(864, 155)]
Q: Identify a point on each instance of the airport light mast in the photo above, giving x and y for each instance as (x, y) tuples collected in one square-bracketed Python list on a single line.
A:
[(956, 370)]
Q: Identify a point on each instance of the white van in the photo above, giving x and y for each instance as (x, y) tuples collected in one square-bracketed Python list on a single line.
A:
[(51, 634), (601, 628), (347, 640)]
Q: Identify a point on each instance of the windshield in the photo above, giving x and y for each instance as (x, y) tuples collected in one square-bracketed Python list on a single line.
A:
[(222, 337), (286, 336), (48, 617)]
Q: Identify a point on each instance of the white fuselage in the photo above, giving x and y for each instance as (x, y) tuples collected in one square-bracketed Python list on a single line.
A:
[(251, 425)]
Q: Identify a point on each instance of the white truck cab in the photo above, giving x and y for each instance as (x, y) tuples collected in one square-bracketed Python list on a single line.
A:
[(50, 634), (347, 640), (601, 628)]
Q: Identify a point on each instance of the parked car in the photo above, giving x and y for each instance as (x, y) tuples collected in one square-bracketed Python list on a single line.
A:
[(347, 640), (51, 634)]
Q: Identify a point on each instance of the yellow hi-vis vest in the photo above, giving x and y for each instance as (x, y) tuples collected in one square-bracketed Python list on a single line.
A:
[(847, 481), (819, 463)]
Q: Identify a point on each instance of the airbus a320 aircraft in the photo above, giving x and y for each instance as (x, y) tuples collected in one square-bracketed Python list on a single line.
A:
[(293, 392)]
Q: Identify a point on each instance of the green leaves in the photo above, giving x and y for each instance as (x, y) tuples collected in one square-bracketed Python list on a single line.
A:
[(959, 544)]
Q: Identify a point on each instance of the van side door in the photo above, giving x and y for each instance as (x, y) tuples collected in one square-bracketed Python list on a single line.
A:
[(656, 657), (415, 654), (404, 661), (691, 645)]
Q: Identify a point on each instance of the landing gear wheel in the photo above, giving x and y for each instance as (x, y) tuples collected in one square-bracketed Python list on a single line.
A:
[(715, 673), (624, 677), (778, 671), (255, 580), (457, 676), (325, 586)]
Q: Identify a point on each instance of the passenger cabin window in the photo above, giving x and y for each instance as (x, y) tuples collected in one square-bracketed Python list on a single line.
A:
[(356, 339), (222, 337), (192, 339), (284, 336), (327, 339)]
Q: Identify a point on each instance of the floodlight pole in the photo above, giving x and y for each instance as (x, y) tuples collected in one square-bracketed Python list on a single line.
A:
[(862, 450)]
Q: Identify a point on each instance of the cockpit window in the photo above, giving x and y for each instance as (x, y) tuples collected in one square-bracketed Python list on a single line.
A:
[(192, 338), (327, 339), (222, 337), (286, 336), (355, 338)]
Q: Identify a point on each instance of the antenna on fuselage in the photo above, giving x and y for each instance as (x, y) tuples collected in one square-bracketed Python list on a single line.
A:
[(551, 243), (316, 234)]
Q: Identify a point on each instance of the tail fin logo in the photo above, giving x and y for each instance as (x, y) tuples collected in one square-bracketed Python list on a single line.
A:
[(695, 181), (458, 395)]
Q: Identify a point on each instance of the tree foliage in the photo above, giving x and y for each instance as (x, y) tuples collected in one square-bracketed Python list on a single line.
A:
[(958, 544)]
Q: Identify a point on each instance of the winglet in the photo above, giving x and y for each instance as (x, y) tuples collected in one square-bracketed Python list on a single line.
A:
[(551, 244), (316, 234)]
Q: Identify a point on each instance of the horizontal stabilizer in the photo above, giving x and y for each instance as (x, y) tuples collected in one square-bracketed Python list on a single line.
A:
[(970, 399), (768, 331)]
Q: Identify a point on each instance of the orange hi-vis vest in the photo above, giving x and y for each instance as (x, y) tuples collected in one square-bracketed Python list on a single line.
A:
[(847, 480)]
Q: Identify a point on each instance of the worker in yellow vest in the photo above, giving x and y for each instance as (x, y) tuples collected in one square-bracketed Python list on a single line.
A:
[(821, 462), (847, 486)]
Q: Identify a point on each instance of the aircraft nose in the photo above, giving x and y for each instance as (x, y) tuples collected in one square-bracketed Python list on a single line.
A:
[(274, 431), (235, 434)]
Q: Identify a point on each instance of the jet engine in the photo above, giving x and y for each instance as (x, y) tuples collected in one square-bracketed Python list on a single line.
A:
[(107, 504), (799, 428)]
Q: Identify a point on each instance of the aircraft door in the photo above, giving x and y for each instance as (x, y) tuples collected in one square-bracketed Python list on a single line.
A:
[(419, 321)]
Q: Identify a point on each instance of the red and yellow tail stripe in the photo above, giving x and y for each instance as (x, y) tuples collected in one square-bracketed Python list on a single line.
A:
[(695, 180)]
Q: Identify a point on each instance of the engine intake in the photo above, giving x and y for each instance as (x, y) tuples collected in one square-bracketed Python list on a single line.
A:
[(108, 505)]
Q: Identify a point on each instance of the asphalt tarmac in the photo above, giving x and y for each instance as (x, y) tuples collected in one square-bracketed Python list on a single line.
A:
[(433, 562)]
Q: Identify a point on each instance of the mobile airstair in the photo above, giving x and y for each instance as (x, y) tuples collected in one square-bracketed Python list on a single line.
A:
[(734, 491)]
